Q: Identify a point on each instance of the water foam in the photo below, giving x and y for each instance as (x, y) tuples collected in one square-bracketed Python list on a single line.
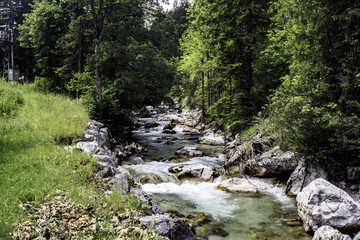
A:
[(206, 197)]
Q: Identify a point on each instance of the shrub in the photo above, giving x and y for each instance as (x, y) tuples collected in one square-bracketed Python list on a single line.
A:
[(9, 101)]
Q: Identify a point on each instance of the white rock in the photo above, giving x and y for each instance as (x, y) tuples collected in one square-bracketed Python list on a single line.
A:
[(241, 185), (329, 233), (302, 177), (321, 203), (212, 138)]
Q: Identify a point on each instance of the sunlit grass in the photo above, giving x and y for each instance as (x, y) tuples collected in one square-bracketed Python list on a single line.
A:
[(32, 164)]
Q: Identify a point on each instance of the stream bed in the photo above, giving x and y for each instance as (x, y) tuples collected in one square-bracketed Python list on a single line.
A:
[(228, 215)]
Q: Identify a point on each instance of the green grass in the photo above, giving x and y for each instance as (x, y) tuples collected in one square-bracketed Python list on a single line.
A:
[(33, 162)]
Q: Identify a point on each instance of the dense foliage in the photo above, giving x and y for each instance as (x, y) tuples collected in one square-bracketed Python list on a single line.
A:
[(316, 109), (304, 54), (115, 55)]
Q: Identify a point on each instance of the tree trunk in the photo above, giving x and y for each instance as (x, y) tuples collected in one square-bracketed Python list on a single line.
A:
[(98, 19), (203, 90), (249, 53)]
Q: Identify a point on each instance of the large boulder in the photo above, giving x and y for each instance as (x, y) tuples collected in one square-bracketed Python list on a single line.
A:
[(278, 162), (329, 233), (173, 228), (197, 172), (303, 176), (238, 185), (212, 138), (189, 152), (321, 203)]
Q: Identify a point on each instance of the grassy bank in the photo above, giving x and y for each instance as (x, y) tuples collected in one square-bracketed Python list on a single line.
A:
[(34, 128)]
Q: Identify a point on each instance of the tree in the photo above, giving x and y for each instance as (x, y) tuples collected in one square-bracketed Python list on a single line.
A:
[(314, 110)]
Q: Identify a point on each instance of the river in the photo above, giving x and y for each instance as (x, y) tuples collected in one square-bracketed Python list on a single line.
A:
[(229, 216)]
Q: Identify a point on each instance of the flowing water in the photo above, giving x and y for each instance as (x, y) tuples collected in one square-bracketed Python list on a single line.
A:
[(229, 216)]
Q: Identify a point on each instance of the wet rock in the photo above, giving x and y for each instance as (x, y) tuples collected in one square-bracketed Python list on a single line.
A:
[(212, 138), (169, 126), (134, 148), (198, 171), (189, 152), (321, 203), (138, 192), (149, 178), (168, 131), (195, 221), (294, 221), (329, 233), (173, 228), (353, 173), (160, 159), (151, 125), (278, 162), (238, 185), (302, 176)]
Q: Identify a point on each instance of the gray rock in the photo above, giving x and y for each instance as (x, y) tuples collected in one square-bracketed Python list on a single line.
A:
[(151, 125), (329, 233), (189, 152), (87, 147), (239, 185), (357, 237), (302, 176), (138, 192), (321, 203), (278, 161), (173, 228), (353, 173), (212, 138), (198, 171), (110, 171), (120, 182)]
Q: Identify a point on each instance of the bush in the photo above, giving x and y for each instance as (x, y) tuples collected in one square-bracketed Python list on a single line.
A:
[(9, 101)]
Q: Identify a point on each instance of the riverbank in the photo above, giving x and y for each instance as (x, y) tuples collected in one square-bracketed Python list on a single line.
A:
[(46, 190), (32, 161)]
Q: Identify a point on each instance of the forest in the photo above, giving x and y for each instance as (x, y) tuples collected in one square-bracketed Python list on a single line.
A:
[(289, 67)]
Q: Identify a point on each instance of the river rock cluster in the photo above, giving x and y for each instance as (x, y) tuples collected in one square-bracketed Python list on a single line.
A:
[(324, 208)]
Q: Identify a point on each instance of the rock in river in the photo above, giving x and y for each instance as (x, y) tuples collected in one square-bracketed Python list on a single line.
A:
[(173, 228), (198, 171), (321, 203), (189, 152), (240, 185), (329, 233)]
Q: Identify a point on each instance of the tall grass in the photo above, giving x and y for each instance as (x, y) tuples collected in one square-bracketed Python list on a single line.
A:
[(33, 163)]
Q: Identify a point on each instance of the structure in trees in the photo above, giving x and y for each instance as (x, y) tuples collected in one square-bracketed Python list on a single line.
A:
[(7, 37)]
